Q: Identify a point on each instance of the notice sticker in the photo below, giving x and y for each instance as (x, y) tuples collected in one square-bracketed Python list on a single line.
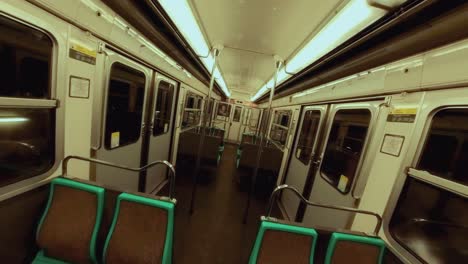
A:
[(166, 127), (115, 139), (299, 151), (402, 115), (343, 183)]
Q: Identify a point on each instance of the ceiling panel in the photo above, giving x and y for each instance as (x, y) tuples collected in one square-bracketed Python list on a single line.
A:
[(265, 26)]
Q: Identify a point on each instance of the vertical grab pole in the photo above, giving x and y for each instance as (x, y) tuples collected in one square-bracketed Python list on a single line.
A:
[(278, 64), (215, 51)]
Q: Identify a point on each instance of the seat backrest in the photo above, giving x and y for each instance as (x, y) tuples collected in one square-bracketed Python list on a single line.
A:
[(347, 248), (141, 231), (211, 147), (69, 226), (248, 155), (282, 243)]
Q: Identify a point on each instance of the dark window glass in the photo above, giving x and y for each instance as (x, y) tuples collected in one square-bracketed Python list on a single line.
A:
[(27, 143), (25, 61), (237, 114), (124, 106), (432, 223), (344, 147), (308, 134), (192, 112), (163, 114), (280, 127), (445, 153)]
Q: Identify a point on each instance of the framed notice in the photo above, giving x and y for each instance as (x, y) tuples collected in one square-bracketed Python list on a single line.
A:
[(79, 87), (392, 144)]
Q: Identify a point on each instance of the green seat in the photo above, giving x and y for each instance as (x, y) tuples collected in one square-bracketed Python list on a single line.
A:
[(282, 243), (141, 231), (346, 248), (68, 228)]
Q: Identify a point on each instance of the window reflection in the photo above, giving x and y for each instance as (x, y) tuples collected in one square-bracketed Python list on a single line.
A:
[(26, 143), (344, 147), (432, 223)]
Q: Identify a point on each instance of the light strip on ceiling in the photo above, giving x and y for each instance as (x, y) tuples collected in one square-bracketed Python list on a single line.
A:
[(352, 19), (182, 16)]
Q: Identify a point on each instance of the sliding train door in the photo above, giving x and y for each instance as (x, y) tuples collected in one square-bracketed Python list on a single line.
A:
[(342, 163), (159, 135), (126, 89), (303, 154)]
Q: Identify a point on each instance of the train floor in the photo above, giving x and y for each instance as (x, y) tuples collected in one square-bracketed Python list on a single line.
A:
[(215, 232)]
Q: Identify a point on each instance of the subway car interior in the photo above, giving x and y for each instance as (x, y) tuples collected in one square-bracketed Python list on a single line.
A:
[(234, 131)]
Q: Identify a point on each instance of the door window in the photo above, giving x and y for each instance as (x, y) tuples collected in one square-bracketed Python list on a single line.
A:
[(237, 114), (344, 147), (280, 127), (163, 111), (431, 218), (192, 110), (307, 136), (27, 132), (124, 106)]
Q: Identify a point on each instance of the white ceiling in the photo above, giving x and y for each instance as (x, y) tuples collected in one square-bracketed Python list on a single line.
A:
[(266, 26)]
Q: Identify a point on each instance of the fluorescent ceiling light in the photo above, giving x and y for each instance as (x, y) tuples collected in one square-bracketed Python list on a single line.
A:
[(13, 119), (181, 14), (352, 19)]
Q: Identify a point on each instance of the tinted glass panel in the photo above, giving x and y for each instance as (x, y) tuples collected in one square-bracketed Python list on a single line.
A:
[(25, 61), (308, 134), (445, 153), (26, 143), (124, 106), (163, 114), (432, 223), (344, 147)]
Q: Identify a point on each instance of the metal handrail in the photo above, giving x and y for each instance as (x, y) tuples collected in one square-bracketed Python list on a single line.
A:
[(110, 164), (342, 208)]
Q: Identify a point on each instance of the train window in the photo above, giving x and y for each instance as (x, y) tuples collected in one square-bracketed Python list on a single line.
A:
[(307, 136), (280, 127), (192, 111), (24, 68), (344, 147), (163, 111), (27, 132), (431, 223), (124, 106), (445, 152)]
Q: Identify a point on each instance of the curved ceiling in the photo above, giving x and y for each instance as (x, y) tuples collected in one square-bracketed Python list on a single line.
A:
[(252, 31)]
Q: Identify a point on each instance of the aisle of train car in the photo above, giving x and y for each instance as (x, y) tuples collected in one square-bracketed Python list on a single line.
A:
[(215, 232)]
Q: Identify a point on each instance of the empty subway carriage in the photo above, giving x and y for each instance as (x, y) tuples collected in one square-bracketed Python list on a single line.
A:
[(111, 152)]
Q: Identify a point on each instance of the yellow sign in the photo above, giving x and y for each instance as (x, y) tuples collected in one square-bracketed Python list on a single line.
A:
[(115, 139), (404, 111), (83, 50)]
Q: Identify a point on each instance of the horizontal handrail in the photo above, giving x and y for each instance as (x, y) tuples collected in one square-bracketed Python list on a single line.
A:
[(335, 207), (110, 164)]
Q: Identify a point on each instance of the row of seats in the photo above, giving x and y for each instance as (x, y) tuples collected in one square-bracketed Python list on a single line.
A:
[(286, 243), (213, 146), (69, 231)]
